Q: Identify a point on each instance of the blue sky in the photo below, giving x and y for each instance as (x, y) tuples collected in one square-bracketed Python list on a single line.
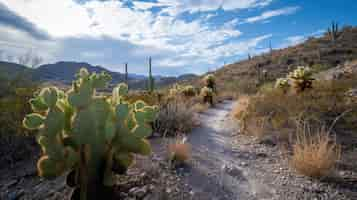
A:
[(182, 36)]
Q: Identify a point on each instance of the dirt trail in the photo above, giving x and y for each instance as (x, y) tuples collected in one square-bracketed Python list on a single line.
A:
[(217, 170)]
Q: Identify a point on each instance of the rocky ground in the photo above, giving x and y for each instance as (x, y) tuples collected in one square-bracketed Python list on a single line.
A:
[(224, 166), (227, 165)]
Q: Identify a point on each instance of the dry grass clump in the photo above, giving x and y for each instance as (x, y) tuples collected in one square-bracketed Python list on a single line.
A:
[(241, 106), (326, 101), (179, 152), (175, 117), (315, 155), (200, 107), (256, 128), (251, 126)]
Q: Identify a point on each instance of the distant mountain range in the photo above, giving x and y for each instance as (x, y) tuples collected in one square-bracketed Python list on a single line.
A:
[(64, 73)]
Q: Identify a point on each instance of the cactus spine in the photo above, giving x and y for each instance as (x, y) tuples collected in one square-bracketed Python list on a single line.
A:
[(151, 81), (90, 136)]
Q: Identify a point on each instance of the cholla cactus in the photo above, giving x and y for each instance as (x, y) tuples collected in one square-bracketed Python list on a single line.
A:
[(175, 90), (210, 82), (207, 95), (282, 84), (301, 78), (90, 136), (186, 91)]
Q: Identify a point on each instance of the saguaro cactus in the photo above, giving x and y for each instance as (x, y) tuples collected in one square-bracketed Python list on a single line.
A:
[(151, 81), (90, 136), (126, 74), (333, 31)]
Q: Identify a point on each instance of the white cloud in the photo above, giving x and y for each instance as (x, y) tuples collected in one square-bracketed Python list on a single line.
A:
[(175, 7), (297, 39), (272, 13), (15, 43), (92, 55), (182, 42), (294, 40)]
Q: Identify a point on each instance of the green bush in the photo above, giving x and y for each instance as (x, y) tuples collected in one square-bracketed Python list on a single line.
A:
[(15, 140)]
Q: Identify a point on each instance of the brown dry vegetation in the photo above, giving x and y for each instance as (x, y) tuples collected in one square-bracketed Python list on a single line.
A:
[(179, 152), (315, 155), (271, 112)]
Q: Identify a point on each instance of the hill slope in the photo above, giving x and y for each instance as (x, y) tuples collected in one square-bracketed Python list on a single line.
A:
[(319, 53), (64, 72), (10, 70)]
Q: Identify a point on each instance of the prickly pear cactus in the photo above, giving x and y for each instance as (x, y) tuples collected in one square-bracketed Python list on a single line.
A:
[(282, 84), (90, 136), (207, 95), (301, 79)]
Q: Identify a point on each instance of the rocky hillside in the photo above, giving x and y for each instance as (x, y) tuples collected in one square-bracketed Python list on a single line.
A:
[(62, 73), (321, 54)]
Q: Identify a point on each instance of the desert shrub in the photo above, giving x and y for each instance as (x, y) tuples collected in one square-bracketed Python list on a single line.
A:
[(315, 68), (200, 107), (315, 155), (241, 106), (256, 126), (320, 105), (187, 91), (152, 98), (243, 86), (175, 117), (15, 141)]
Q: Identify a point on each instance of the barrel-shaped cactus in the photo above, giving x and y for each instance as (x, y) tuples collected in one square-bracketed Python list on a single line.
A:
[(282, 84), (301, 79), (90, 136), (207, 95)]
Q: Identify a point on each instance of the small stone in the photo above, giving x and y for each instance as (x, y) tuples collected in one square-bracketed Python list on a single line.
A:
[(168, 190), (139, 192)]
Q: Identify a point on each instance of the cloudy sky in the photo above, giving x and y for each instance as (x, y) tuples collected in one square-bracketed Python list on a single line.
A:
[(182, 36)]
